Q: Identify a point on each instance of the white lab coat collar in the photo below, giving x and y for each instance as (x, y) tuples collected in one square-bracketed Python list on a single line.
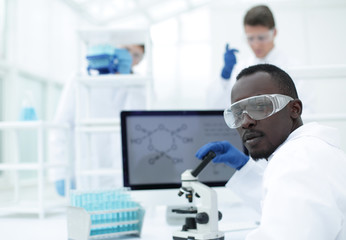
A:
[(325, 133), (276, 57), (271, 57)]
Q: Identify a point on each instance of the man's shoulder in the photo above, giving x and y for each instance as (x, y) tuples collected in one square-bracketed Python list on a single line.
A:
[(307, 143)]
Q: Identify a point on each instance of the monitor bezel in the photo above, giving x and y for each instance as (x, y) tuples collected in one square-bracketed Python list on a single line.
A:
[(125, 114)]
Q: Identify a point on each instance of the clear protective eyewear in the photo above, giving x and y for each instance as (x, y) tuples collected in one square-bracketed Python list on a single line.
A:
[(137, 56), (257, 108), (264, 37)]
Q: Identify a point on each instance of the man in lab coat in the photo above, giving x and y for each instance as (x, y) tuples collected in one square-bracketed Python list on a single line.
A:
[(301, 192), (99, 150), (260, 31)]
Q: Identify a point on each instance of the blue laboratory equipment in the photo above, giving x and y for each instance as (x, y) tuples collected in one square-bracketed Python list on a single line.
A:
[(103, 214), (102, 58)]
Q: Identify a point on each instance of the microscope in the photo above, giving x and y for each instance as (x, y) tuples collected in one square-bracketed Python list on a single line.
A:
[(204, 224)]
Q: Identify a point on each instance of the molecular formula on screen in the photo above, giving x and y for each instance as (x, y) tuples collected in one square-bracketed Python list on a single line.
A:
[(162, 141)]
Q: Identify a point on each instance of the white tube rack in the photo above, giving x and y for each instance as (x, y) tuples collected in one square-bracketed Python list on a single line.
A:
[(103, 214), (80, 226)]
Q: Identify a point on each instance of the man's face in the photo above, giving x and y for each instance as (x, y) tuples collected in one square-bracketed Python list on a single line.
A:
[(261, 137), (260, 39), (136, 53)]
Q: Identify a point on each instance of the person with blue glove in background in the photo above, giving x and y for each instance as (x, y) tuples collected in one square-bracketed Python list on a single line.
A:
[(300, 194), (104, 103), (260, 31)]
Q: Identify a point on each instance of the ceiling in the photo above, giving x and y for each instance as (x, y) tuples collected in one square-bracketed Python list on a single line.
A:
[(100, 12)]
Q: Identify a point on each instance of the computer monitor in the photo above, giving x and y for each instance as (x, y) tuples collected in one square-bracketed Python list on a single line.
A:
[(158, 146)]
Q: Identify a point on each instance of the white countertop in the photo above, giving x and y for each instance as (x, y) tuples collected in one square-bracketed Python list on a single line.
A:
[(237, 221)]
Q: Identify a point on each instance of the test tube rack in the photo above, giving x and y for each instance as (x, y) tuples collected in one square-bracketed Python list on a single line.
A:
[(103, 215)]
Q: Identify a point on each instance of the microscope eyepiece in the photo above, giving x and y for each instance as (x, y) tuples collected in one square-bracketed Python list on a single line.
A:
[(206, 159)]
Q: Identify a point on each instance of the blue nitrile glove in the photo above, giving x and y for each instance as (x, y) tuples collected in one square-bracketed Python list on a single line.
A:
[(230, 60), (225, 153), (124, 60), (60, 186)]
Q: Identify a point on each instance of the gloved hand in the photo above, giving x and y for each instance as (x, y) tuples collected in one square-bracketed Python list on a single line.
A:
[(230, 60), (60, 186), (124, 60), (225, 153)]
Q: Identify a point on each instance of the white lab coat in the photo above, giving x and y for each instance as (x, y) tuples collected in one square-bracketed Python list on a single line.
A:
[(219, 93), (302, 191), (104, 150)]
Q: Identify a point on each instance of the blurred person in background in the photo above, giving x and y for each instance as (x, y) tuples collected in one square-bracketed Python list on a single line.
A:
[(260, 31), (105, 102)]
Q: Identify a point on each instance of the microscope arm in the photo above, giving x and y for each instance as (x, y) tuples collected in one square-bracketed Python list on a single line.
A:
[(208, 197)]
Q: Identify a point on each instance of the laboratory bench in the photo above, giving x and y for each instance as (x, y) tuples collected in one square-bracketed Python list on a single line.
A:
[(236, 222)]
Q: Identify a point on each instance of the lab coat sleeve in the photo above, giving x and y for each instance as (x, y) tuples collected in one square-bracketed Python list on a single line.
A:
[(297, 203), (135, 99), (61, 141), (247, 183)]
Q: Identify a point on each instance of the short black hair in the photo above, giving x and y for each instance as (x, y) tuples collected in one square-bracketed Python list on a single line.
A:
[(284, 81), (142, 46), (260, 15)]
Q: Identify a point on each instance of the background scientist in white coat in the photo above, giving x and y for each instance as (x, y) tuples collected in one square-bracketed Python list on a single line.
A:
[(260, 31), (301, 192), (105, 148)]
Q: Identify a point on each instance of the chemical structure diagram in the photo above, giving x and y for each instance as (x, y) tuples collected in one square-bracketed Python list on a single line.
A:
[(162, 141)]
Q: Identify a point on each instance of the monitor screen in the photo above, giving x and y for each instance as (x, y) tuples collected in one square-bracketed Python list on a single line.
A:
[(158, 146)]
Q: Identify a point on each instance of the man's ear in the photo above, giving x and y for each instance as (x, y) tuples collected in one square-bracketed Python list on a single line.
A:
[(296, 108)]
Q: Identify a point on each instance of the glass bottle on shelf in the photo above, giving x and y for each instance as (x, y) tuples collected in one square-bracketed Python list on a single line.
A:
[(28, 112)]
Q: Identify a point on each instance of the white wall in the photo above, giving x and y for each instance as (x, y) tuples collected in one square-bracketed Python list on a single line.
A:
[(42, 37), (40, 43), (182, 60)]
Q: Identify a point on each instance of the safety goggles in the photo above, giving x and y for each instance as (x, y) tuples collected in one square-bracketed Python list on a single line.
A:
[(137, 56), (257, 108), (262, 38)]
